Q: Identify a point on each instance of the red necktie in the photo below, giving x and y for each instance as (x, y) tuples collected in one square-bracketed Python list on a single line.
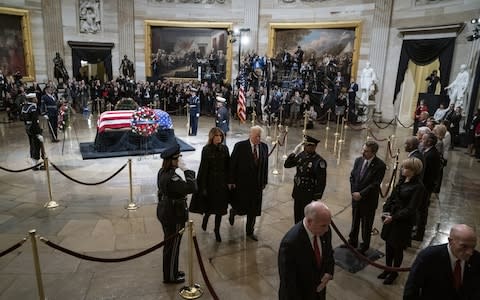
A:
[(318, 256), (457, 275)]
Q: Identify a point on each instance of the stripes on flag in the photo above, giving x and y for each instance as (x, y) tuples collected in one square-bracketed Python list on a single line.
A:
[(119, 119), (241, 109)]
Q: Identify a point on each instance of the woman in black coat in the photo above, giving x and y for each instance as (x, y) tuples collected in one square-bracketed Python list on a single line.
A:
[(213, 193), (399, 215)]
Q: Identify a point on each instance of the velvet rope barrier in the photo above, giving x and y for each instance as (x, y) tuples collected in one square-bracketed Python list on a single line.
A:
[(375, 138), (22, 170), (13, 248), (356, 128), (88, 183), (273, 149), (392, 179), (109, 260), (363, 257), (401, 124), (202, 269), (388, 124)]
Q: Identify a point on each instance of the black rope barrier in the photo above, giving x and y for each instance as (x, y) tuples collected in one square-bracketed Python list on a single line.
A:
[(13, 248), (375, 138), (401, 124), (271, 151), (108, 260), (202, 269), (356, 128), (22, 170), (363, 257), (88, 183), (388, 124), (392, 179), (283, 139)]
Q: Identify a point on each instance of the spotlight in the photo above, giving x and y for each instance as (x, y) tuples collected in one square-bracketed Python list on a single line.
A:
[(473, 21)]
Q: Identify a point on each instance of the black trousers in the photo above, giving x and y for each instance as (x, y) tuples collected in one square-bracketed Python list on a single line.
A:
[(34, 146), (171, 251), (393, 255), (299, 207), (53, 124), (364, 218)]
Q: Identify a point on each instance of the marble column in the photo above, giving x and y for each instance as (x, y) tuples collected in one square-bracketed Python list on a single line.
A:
[(126, 32), (53, 27), (251, 21), (378, 46)]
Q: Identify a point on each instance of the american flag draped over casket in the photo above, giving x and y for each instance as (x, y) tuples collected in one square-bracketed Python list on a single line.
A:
[(122, 119)]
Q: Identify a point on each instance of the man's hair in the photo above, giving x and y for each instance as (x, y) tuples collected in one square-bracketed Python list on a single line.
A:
[(372, 145), (413, 141), (431, 138)]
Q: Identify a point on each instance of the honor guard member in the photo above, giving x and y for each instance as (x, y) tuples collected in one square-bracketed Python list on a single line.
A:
[(194, 109), (29, 115), (222, 118), (311, 177), (50, 112), (174, 183)]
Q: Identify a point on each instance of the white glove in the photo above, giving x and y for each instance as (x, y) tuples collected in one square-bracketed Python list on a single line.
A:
[(40, 138), (46, 117), (181, 165), (298, 148)]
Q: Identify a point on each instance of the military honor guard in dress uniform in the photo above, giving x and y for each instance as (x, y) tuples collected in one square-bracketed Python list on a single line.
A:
[(194, 110), (311, 176), (222, 118), (50, 111), (29, 115)]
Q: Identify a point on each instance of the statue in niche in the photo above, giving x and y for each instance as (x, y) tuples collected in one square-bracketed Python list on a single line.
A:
[(368, 81), (59, 70), (90, 21), (126, 68), (456, 89)]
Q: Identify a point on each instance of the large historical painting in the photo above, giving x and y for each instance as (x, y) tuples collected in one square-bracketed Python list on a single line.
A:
[(188, 50), (15, 38), (326, 48)]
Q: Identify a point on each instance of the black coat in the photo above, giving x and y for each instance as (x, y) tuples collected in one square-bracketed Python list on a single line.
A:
[(213, 194), (431, 276), (250, 179), (311, 176), (369, 185), (432, 167), (299, 274), (402, 206)]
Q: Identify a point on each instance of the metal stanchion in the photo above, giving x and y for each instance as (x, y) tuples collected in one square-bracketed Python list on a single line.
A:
[(328, 120), (339, 152), (268, 138), (51, 203), (188, 118), (254, 115), (275, 170), (305, 120), (275, 131), (285, 144), (36, 261), (336, 134), (192, 291), (341, 140), (131, 205), (367, 138)]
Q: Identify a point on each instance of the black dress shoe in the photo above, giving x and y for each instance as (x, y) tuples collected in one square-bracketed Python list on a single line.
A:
[(180, 274), (252, 237), (204, 223), (178, 279), (231, 217), (390, 278), (217, 236), (383, 275)]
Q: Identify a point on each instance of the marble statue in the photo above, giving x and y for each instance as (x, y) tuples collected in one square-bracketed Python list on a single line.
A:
[(368, 82), (456, 89)]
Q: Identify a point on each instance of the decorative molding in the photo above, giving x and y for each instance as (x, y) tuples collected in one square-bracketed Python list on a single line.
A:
[(80, 44), (292, 1), (90, 16), (190, 1)]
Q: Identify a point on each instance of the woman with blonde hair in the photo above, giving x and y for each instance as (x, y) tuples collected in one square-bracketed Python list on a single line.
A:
[(213, 193)]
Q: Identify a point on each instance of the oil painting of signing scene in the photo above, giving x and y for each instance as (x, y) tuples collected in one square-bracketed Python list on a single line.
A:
[(319, 59), (189, 52)]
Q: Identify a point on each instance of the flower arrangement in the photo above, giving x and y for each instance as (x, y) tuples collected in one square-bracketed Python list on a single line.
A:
[(64, 113), (144, 121)]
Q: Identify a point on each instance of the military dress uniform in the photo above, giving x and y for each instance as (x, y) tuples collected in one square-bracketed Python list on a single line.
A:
[(29, 115), (172, 212), (50, 108), (222, 118), (194, 110), (309, 181)]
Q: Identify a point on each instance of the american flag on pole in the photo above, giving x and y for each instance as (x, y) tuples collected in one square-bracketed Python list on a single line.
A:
[(241, 109)]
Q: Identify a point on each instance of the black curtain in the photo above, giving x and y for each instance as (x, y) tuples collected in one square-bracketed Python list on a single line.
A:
[(93, 56), (424, 52), (472, 107)]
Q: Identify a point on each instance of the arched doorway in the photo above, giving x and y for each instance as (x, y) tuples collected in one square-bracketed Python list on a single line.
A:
[(91, 59)]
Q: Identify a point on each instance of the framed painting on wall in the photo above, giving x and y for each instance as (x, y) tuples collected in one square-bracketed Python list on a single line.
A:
[(325, 48), (188, 50), (16, 57)]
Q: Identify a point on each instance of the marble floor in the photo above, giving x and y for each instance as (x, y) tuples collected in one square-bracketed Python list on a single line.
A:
[(93, 220)]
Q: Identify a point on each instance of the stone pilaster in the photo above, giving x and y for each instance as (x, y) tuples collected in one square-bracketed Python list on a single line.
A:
[(251, 21), (53, 28), (126, 32)]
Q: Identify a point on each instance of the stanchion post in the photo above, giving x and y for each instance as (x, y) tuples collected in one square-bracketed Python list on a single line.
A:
[(188, 119), (336, 127), (51, 203), (131, 205), (285, 144), (192, 291), (275, 169), (254, 115), (36, 261), (341, 140), (305, 120), (328, 120)]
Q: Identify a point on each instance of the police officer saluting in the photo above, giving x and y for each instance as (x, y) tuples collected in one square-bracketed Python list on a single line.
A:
[(172, 208), (194, 109), (311, 177), (29, 115)]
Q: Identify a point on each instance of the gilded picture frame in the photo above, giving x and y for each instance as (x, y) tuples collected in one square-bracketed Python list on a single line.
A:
[(323, 40), (177, 50), (17, 55)]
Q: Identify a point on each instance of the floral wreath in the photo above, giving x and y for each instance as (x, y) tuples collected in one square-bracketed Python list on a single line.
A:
[(144, 121)]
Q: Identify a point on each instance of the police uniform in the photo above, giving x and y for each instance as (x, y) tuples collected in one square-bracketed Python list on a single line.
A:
[(29, 115), (172, 212), (194, 109), (222, 118), (310, 179), (49, 107)]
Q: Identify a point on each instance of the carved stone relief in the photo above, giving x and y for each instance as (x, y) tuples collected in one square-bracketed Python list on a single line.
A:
[(90, 16)]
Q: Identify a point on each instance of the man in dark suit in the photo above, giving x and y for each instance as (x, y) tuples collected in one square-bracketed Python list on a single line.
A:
[(327, 103), (305, 268), (248, 178), (352, 94), (447, 271), (365, 179), (431, 175), (411, 146)]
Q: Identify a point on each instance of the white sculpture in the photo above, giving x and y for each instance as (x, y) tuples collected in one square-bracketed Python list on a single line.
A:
[(368, 80), (456, 89)]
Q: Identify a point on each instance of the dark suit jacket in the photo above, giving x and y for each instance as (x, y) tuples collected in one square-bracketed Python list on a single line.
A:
[(249, 179), (432, 166), (431, 277), (299, 274), (369, 185)]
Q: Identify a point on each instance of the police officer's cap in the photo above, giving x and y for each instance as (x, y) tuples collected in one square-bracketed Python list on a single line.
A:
[(172, 152), (31, 95), (221, 99), (310, 140)]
